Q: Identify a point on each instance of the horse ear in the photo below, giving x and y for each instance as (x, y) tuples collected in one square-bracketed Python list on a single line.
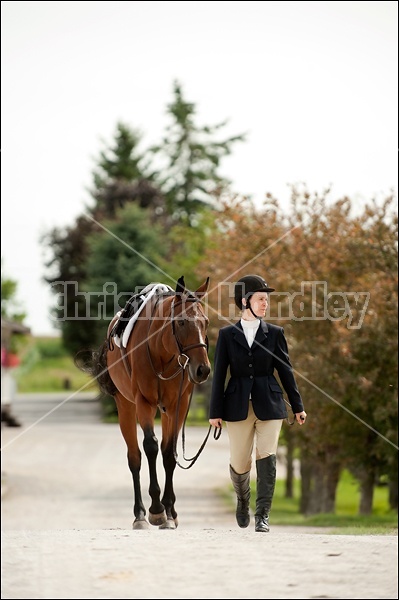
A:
[(203, 289), (181, 286)]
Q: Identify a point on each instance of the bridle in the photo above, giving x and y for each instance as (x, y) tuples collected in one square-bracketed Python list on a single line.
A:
[(182, 357)]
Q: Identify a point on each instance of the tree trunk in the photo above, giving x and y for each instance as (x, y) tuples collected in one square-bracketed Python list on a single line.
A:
[(316, 499), (367, 480), (289, 482), (306, 480), (311, 487), (319, 481), (393, 494), (330, 483)]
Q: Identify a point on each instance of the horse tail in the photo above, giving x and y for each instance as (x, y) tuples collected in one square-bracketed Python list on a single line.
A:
[(94, 363)]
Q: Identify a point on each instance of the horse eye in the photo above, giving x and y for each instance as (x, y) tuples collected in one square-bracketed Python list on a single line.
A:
[(180, 322)]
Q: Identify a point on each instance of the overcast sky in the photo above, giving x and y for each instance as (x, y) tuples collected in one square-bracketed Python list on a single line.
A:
[(313, 83)]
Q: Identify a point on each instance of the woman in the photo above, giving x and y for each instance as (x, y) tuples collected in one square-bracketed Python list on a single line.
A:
[(252, 403)]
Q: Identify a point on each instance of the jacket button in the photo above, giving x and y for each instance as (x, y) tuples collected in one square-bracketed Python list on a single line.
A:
[(251, 376), (249, 365)]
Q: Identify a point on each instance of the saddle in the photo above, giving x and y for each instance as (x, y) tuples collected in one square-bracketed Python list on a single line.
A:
[(130, 308), (128, 316)]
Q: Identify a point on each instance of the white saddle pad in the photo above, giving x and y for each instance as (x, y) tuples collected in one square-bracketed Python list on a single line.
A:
[(146, 294)]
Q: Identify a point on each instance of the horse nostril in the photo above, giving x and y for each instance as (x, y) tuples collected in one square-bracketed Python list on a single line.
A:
[(203, 372)]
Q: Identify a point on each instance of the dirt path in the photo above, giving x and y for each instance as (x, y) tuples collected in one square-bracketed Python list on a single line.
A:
[(67, 513)]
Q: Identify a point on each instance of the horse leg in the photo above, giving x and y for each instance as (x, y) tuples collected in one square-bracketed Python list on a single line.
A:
[(128, 426), (169, 498), (146, 415), (156, 512), (169, 460)]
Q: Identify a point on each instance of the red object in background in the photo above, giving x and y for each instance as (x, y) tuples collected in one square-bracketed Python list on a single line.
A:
[(9, 360)]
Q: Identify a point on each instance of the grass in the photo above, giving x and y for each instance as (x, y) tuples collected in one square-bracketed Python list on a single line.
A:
[(47, 367)]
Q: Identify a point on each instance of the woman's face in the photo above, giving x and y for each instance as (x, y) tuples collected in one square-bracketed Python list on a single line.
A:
[(259, 302)]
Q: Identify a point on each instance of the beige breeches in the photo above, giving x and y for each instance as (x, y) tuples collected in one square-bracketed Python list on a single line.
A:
[(244, 434)]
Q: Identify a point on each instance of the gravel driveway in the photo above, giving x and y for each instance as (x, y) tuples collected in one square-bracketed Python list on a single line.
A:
[(67, 514)]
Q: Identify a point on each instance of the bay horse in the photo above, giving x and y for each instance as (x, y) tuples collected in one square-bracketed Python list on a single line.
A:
[(166, 355)]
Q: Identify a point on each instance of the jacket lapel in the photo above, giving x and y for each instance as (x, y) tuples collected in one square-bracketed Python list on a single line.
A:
[(261, 336), (239, 335)]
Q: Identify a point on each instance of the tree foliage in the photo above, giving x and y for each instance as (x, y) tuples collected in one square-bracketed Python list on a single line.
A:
[(10, 307), (122, 258)]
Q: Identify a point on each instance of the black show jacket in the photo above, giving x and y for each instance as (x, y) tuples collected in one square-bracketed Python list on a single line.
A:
[(252, 375)]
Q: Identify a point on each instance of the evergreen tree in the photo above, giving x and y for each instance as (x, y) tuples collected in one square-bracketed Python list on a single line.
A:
[(123, 176), (119, 179), (193, 158)]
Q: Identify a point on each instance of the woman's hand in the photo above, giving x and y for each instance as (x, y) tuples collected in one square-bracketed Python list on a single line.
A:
[(301, 417), (216, 423)]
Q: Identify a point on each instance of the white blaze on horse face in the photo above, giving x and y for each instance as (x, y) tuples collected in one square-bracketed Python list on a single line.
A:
[(198, 320), (202, 339)]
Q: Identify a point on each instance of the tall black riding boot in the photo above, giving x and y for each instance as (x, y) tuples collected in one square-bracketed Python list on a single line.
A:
[(242, 489), (265, 482)]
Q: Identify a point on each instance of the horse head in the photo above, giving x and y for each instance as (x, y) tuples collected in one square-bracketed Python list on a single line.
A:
[(189, 327)]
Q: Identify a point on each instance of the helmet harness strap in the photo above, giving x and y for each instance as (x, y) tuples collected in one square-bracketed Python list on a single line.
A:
[(248, 305)]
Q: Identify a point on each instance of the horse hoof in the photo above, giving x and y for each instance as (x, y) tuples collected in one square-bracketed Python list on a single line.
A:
[(140, 524), (169, 524), (158, 519)]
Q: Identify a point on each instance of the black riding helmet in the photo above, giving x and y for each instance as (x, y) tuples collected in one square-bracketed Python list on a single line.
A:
[(248, 285)]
